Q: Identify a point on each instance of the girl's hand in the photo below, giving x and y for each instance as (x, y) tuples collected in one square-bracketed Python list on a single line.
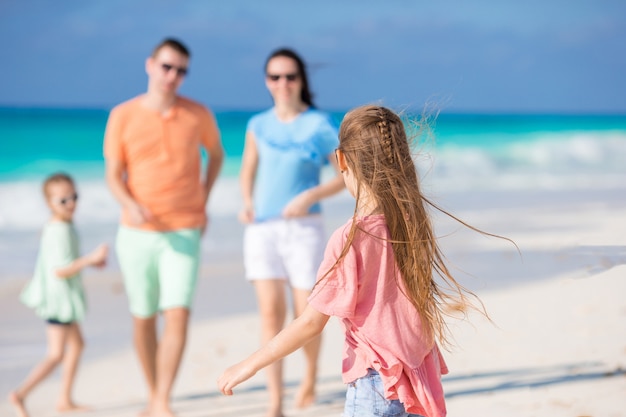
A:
[(305, 327), (299, 206), (98, 257), (234, 376)]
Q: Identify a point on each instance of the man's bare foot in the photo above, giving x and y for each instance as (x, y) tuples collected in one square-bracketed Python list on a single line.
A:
[(68, 407), (305, 396), (18, 404)]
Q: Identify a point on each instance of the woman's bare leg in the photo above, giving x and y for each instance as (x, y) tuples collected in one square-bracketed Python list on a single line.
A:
[(306, 392), (272, 303)]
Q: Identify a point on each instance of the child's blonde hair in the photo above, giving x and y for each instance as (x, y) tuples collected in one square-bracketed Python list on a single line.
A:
[(378, 154), (53, 179)]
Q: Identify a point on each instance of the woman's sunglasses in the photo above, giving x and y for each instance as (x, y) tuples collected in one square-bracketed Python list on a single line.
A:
[(288, 77)]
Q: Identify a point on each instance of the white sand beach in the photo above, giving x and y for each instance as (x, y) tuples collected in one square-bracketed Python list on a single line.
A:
[(556, 345)]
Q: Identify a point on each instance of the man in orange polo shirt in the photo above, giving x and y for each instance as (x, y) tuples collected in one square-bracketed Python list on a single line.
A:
[(152, 148)]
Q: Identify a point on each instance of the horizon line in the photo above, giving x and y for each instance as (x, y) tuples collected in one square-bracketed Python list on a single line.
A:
[(247, 109)]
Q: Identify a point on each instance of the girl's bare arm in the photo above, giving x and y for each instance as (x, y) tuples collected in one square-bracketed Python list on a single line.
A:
[(295, 335), (97, 258)]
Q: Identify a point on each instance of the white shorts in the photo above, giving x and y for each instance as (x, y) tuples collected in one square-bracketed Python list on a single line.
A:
[(290, 249)]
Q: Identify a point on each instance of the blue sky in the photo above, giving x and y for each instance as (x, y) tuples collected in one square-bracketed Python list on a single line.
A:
[(458, 55)]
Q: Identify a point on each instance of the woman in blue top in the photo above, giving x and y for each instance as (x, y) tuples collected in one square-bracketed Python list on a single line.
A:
[(285, 150)]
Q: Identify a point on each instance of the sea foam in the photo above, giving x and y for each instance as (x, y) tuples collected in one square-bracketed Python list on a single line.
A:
[(545, 161)]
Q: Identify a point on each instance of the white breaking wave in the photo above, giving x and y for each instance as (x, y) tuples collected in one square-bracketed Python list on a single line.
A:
[(551, 161)]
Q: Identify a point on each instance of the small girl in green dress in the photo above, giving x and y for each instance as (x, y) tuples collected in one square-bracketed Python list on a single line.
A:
[(56, 293)]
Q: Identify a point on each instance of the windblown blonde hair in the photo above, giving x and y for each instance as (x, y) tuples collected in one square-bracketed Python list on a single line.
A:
[(377, 151)]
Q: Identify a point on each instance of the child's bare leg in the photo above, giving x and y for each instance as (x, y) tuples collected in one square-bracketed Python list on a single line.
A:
[(73, 351), (306, 392), (18, 404), (56, 335), (273, 308)]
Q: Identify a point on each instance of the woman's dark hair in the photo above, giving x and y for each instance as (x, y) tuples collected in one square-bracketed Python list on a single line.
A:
[(305, 93)]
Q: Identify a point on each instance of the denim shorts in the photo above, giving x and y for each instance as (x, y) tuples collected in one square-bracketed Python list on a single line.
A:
[(365, 398)]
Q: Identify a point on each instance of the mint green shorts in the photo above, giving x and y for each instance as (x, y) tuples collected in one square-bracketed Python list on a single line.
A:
[(160, 269)]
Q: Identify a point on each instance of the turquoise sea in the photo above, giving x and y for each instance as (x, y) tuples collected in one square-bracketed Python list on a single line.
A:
[(37, 141), (464, 152)]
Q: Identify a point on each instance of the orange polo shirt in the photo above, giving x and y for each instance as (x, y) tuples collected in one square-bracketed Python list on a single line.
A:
[(161, 154)]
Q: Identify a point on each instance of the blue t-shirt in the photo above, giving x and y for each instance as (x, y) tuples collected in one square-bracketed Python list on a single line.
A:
[(291, 156)]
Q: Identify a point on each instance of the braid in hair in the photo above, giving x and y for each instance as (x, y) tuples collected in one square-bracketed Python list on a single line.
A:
[(385, 134), (366, 133)]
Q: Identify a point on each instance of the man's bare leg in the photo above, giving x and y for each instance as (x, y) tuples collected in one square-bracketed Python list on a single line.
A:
[(306, 392), (169, 354), (145, 341), (272, 303)]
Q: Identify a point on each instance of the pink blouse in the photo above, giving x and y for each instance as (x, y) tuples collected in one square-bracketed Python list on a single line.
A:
[(383, 330)]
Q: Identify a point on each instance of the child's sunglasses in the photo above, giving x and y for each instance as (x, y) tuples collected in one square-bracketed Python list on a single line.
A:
[(65, 200)]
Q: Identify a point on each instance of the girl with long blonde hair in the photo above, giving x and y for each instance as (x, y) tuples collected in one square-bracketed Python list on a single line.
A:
[(384, 276)]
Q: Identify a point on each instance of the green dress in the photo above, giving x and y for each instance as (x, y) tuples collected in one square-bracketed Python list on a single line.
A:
[(61, 299)]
